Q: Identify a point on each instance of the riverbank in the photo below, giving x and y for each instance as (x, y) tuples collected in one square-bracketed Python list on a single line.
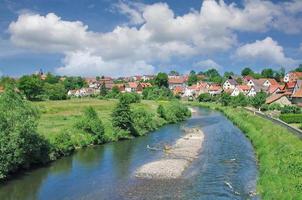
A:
[(278, 152), (176, 159)]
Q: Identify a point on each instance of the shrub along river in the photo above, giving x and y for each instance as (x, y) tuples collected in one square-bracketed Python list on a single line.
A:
[(225, 169)]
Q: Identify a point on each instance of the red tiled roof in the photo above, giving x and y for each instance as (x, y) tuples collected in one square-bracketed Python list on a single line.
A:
[(132, 84), (178, 89), (273, 88), (215, 88), (274, 98), (273, 81), (144, 85), (290, 84), (244, 87), (298, 93), (179, 80)]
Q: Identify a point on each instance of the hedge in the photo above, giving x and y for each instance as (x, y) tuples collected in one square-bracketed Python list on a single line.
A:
[(291, 118)]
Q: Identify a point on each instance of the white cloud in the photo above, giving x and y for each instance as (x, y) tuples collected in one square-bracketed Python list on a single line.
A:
[(266, 50), (159, 35), (86, 64), (207, 64), (132, 10)]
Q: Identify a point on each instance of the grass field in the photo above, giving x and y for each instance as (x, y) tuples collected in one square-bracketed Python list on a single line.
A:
[(279, 153), (57, 116)]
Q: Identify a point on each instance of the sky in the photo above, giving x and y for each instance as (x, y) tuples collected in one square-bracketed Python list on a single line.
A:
[(136, 37)]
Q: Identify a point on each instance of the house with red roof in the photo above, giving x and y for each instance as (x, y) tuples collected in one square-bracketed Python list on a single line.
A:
[(215, 89), (292, 77), (279, 98), (178, 90), (142, 86), (244, 89), (297, 93), (177, 81), (230, 84), (131, 87)]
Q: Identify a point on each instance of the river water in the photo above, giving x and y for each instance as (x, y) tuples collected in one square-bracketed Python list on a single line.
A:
[(225, 169)]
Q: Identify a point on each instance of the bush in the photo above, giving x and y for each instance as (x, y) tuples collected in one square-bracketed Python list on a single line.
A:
[(239, 100), (264, 107), (290, 109), (143, 121), (20, 145), (54, 91), (156, 93), (62, 145), (130, 98), (175, 112), (121, 116), (161, 111), (206, 97), (291, 118), (274, 106), (225, 99), (90, 123)]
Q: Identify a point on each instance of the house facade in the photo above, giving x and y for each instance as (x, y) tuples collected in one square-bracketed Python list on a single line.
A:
[(229, 84), (292, 77)]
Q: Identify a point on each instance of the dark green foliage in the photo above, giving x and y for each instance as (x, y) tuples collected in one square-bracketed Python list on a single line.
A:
[(213, 76), (291, 109), (7, 81), (54, 91), (274, 106), (299, 69), (264, 107), (142, 121), (103, 90), (156, 93), (258, 100), (174, 73), (192, 78), (121, 116), (52, 79), (267, 73), (72, 83), (31, 86), (240, 100), (206, 97), (225, 99), (175, 112), (291, 118), (20, 145), (114, 93), (62, 145), (161, 111), (128, 98), (161, 80), (247, 72), (91, 124)]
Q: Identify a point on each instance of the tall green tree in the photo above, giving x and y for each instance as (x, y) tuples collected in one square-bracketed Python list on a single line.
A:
[(72, 83), (267, 73), (258, 100), (192, 78), (247, 72), (174, 73), (55, 91), (52, 79), (161, 80), (103, 89), (31, 86), (20, 145)]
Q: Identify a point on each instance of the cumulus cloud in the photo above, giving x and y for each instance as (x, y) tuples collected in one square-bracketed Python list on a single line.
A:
[(158, 35), (207, 64), (266, 50)]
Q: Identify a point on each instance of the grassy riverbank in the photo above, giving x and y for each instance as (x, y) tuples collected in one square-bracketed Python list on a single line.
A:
[(279, 153)]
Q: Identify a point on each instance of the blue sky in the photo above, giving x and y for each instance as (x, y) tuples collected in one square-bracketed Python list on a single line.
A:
[(116, 38)]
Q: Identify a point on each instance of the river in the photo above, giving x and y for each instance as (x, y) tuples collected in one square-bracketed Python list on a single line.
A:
[(225, 169)]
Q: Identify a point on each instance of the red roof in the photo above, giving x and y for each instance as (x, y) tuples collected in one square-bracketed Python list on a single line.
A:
[(178, 89), (215, 88), (144, 85), (244, 87), (273, 81), (298, 93), (179, 80), (132, 84), (274, 98), (273, 88), (290, 84)]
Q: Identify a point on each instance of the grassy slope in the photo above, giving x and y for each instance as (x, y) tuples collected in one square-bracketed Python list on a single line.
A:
[(279, 153), (58, 116)]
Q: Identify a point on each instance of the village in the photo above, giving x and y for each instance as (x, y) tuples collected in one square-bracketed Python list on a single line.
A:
[(286, 92)]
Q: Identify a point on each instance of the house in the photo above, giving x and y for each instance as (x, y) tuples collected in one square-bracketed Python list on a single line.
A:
[(190, 91), (290, 86), (142, 86), (292, 77), (273, 89), (178, 90), (246, 79), (83, 92), (230, 84), (147, 77), (279, 98), (131, 87), (244, 89), (176, 81), (202, 87), (297, 93), (215, 90), (120, 86)]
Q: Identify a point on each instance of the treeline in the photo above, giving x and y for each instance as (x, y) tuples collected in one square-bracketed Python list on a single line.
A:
[(22, 147), (51, 88)]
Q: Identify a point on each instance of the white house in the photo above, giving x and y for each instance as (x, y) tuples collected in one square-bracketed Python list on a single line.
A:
[(229, 84)]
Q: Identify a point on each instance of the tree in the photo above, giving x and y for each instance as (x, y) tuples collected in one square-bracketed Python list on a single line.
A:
[(121, 116), (71, 83), (239, 80), (206, 97), (299, 69), (52, 79), (228, 74), (239, 100), (20, 145), (174, 73), (258, 100), (54, 91), (247, 72), (225, 99), (161, 80), (91, 124), (97, 78), (7, 81), (213, 76), (31, 86), (192, 78), (103, 89), (267, 73)]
